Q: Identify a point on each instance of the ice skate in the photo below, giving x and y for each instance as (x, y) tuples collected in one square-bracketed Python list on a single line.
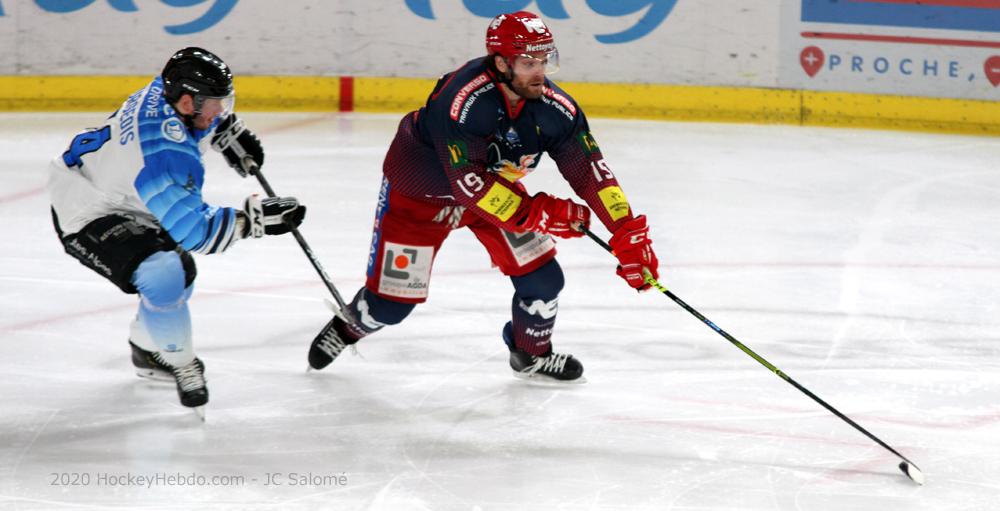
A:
[(191, 386), (190, 378), (327, 345), (553, 367), (148, 366)]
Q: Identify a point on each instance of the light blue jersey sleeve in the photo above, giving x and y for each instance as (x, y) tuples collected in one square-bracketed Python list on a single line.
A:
[(171, 180)]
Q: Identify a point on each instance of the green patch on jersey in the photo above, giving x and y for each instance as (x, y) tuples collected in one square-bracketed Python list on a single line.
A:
[(458, 153), (588, 142)]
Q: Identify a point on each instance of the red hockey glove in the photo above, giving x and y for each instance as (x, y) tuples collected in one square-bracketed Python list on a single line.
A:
[(635, 254), (558, 217)]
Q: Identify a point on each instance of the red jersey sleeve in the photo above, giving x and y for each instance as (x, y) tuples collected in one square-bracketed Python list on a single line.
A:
[(581, 163)]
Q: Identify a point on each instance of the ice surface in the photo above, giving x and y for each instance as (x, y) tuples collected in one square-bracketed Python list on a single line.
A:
[(864, 264)]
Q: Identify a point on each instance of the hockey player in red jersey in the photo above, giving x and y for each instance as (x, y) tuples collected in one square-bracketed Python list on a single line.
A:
[(458, 162)]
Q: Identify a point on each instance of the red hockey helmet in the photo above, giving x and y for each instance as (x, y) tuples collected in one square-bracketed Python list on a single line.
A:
[(520, 33)]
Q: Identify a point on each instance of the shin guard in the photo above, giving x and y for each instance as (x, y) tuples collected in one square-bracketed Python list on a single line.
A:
[(534, 308)]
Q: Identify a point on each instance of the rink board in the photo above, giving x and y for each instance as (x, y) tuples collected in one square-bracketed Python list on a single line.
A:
[(617, 100), (939, 48)]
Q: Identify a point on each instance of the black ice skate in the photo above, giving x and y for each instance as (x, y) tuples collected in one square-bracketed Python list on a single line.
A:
[(558, 367), (191, 386), (147, 365), (328, 344), (190, 379)]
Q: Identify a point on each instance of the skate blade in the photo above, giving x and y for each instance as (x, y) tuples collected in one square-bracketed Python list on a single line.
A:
[(548, 380), (154, 375)]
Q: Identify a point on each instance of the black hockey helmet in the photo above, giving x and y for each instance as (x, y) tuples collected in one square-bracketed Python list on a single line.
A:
[(197, 72)]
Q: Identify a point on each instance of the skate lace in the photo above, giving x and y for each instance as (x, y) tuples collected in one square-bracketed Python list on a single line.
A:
[(552, 364), (331, 344), (189, 377)]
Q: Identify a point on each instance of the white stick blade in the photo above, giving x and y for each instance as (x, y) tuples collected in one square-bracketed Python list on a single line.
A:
[(912, 472)]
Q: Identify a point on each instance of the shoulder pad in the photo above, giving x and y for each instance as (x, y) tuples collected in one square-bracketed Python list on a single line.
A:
[(467, 96), (560, 101), (560, 98), (159, 126)]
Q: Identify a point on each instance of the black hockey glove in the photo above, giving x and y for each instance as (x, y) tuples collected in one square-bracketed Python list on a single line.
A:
[(235, 141), (271, 215)]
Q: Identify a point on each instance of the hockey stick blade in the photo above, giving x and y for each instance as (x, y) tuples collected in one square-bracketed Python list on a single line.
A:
[(912, 472), (907, 466)]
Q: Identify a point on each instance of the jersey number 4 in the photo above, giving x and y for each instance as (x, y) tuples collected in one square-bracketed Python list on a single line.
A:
[(86, 142)]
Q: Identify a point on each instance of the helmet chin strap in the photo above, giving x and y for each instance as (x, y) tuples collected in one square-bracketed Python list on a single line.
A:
[(197, 102), (188, 121), (508, 77)]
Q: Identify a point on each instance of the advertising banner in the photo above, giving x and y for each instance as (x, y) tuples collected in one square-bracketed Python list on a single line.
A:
[(714, 42), (939, 48), (932, 48)]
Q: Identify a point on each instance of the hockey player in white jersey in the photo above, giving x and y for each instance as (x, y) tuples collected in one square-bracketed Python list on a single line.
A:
[(126, 202)]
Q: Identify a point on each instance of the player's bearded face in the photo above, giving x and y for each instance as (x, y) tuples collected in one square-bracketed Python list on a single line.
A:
[(529, 75)]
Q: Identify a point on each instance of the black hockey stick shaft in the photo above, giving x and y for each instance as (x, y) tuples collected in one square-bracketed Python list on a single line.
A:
[(254, 169), (654, 283)]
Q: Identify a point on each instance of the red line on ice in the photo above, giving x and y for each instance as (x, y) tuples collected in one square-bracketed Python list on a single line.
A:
[(21, 195)]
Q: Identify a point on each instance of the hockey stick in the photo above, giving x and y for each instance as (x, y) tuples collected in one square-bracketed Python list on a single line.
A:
[(254, 169), (908, 467)]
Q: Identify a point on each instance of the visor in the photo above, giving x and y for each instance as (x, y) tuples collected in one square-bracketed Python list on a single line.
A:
[(549, 61), (228, 102)]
